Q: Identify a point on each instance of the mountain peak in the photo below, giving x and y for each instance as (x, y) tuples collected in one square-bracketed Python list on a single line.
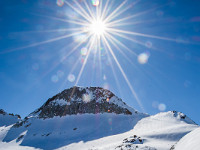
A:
[(173, 116), (81, 100)]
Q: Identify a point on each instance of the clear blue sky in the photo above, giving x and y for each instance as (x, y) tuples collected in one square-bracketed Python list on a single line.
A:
[(169, 79)]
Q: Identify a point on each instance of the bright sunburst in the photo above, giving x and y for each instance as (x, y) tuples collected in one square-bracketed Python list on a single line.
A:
[(99, 27), (96, 25)]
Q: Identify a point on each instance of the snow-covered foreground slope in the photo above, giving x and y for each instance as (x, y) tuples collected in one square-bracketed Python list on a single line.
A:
[(93, 119), (6, 122), (11, 145), (191, 141), (164, 129), (98, 132), (57, 132), (159, 132)]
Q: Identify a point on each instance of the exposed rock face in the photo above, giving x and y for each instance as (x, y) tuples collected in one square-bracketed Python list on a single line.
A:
[(133, 143), (77, 100), (181, 116), (2, 112)]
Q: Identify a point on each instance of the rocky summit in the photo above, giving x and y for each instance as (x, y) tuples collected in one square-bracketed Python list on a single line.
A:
[(78, 100)]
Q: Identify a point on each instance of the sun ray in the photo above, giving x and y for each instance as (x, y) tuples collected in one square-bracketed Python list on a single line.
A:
[(114, 73), (65, 57), (52, 30), (78, 45), (90, 43), (134, 16), (41, 43), (89, 10), (70, 72), (128, 38), (142, 34), (79, 22), (99, 51), (104, 13), (115, 45), (100, 8), (122, 24), (123, 73), (79, 12), (114, 15), (110, 17), (120, 43), (83, 10)]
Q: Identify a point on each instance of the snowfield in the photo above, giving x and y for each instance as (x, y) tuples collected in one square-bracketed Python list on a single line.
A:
[(97, 132), (191, 141), (93, 118)]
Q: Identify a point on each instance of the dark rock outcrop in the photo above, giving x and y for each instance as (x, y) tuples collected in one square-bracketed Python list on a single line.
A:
[(78, 100), (2, 112)]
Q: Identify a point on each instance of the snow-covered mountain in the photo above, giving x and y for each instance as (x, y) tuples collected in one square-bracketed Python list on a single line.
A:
[(78, 100), (94, 118)]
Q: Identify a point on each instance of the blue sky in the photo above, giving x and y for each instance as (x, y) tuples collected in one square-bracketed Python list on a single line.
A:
[(31, 73)]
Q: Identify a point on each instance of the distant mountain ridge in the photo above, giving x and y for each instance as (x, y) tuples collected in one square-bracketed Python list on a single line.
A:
[(8, 118)]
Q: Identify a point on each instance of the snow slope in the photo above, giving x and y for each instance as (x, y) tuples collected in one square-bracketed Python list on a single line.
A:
[(93, 119), (191, 141), (42, 133), (99, 132), (159, 132)]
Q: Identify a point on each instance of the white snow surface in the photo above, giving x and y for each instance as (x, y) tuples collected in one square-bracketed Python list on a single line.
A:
[(191, 141), (105, 131)]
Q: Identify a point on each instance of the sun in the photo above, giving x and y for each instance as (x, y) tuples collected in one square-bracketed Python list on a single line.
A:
[(97, 27)]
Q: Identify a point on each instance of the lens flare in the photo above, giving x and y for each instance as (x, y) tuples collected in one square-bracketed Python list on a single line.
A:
[(95, 2), (84, 51), (162, 107), (95, 27), (60, 2), (143, 58), (71, 78)]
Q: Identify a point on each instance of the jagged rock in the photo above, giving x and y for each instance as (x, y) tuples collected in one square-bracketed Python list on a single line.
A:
[(7, 119), (181, 116), (11, 114), (2, 112), (134, 140), (78, 100)]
